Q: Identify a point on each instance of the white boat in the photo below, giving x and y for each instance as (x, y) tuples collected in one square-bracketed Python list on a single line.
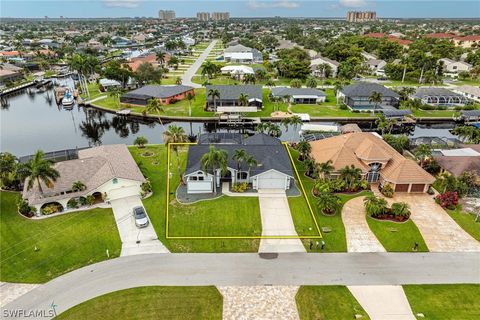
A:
[(68, 99)]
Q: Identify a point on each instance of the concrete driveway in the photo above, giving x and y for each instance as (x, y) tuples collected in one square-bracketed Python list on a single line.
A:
[(277, 221), (359, 236), (187, 76), (130, 234), (440, 232)]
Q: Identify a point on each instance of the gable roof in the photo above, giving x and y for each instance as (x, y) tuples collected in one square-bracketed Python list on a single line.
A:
[(365, 89), (352, 148), (282, 91), (457, 165), (157, 91), (233, 92)]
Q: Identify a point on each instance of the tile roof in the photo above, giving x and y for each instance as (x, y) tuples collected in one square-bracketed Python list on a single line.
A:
[(456, 165), (361, 148)]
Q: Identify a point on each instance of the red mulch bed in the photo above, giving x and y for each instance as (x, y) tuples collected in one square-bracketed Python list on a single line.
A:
[(391, 217)]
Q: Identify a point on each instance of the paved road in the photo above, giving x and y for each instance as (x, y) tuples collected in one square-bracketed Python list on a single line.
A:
[(187, 76), (249, 269)]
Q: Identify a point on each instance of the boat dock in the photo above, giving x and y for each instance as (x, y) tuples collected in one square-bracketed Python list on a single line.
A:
[(13, 90), (237, 120)]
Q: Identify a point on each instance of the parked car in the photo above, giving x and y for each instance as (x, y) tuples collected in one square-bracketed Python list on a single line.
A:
[(382, 78), (141, 219)]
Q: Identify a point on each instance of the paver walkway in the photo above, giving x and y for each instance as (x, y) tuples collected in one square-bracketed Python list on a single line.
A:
[(277, 221), (187, 76), (130, 234), (440, 232), (383, 302), (10, 291), (259, 302), (359, 236)]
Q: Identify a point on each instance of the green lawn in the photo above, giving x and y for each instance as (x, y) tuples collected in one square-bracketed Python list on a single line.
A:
[(194, 218), (64, 243), (397, 237), (327, 303), (466, 221), (438, 302), (146, 303), (335, 240)]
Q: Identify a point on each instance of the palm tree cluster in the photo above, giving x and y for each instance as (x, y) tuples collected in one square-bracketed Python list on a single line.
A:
[(295, 121), (375, 206), (213, 161), (270, 128), (210, 69), (84, 65), (241, 156), (385, 124), (468, 134), (423, 152)]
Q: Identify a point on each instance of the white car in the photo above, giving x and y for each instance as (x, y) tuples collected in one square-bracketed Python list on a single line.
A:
[(141, 219)]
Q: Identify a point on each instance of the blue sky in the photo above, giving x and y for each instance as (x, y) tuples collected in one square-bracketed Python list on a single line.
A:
[(239, 8)]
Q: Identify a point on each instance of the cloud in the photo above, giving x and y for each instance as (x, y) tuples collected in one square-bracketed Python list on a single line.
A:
[(122, 3), (254, 4), (353, 3)]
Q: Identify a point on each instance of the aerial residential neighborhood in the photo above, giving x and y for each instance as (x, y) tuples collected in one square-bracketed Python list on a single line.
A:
[(240, 160)]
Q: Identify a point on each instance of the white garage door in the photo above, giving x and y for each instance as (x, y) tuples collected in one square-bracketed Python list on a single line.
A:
[(271, 180), (123, 192)]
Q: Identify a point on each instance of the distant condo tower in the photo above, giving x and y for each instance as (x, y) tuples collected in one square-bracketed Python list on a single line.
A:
[(361, 16), (218, 16), (166, 15), (203, 16)]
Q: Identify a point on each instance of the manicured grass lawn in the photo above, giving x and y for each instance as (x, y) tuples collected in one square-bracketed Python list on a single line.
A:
[(466, 221), (449, 301), (327, 303), (64, 243), (194, 218), (335, 240), (397, 237), (146, 303)]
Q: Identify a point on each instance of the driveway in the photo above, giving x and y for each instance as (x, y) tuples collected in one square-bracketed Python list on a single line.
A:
[(130, 234), (277, 221), (187, 76), (359, 236), (440, 232)]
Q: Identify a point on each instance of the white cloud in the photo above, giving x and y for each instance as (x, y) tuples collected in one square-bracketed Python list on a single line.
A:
[(353, 3), (254, 4), (122, 3)]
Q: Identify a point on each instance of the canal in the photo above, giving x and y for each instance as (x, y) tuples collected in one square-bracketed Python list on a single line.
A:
[(33, 121)]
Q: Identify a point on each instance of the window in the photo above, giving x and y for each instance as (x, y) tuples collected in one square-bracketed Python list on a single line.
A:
[(114, 180), (193, 178), (201, 178), (242, 175)]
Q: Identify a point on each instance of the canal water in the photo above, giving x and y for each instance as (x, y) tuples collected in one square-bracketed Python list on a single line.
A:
[(33, 121)]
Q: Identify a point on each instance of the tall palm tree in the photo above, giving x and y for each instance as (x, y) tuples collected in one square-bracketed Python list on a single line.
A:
[(190, 97), (214, 160), (175, 134), (322, 170), (209, 69), (304, 148), (381, 122), (161, 56), (251, 162), (328, 203), (214, 94), (349, 174), (295, 121), (243, 99), (422, 152), (38, 170), (376, 99), (115, 93), (240, 155), (155, 106)]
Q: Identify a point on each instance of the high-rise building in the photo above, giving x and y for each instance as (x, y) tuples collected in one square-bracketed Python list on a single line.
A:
[(218, 16), (166, 15), (203, 16), (361, 16)]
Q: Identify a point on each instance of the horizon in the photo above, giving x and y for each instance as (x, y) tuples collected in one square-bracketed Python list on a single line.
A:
[(307, 9)]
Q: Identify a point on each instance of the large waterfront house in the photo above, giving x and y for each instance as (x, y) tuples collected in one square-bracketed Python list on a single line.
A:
[(228, 99), (165, 94), (241, 54), (108, 173), (272, 171), (299, 95), (357, 96), (440, 97), (378, 161)]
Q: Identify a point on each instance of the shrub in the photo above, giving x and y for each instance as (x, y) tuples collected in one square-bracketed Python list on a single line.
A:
[(401, 209), (146, 187), (375, 206), (447, 200), (240, 187), (72, 203), (90, 199), (140, 141), (387, 190), (82, 201), (25, 209), (50, 209), (343, 107)]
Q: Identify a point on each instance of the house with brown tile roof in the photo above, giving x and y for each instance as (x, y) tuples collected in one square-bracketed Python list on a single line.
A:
[(378, 161), (109, 172)]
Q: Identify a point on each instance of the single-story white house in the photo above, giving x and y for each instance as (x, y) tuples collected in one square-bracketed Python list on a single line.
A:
[(237, 71), (273, 169), (299, 95)]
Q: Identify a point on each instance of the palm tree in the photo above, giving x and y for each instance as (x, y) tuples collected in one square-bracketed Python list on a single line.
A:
[(38, 170), (328, 203), (178, 81), (175, 134), (400, 208), (209, 69), (309, 165), (304, 148), (295, 121), (154, 106), (322, 170), (251, 162), (190, 97), (311, 82), (214, 93), (382, 122), (161, 57), (243, 99), (422, 152), (375, 206), (240, 156), (214, 160), (249, 78), (273, 129), (349, 174), (78, 186), (296, 83), (115, 93), (376, 99)]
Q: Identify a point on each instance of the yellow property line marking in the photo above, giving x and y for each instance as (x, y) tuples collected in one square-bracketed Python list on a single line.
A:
[(167, 236)]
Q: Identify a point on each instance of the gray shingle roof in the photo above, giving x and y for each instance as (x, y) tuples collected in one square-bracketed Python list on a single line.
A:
[(233, 92), (157, 91), (282, 91), (269, 153), (365, 89), (423, 92)]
